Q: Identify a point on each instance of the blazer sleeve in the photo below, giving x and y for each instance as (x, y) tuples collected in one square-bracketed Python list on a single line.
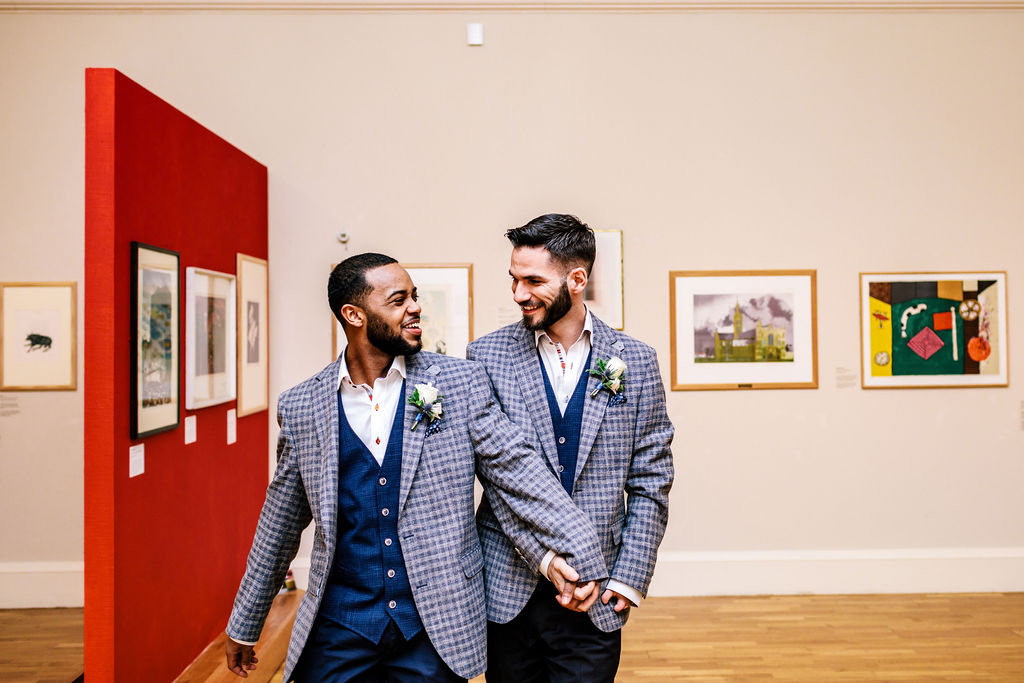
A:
[(285, 514), (526, 499), (648, 482)]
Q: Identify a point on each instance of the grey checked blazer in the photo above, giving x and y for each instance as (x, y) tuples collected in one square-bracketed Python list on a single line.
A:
[(435, 524), (623, 448)]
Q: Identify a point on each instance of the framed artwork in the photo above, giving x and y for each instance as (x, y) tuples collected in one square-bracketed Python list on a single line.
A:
[(253, 362), (155, 317), (604, 295), (210, 363), (446, 295), (744, 329), (338, 339), (38, 329), (933, 330)]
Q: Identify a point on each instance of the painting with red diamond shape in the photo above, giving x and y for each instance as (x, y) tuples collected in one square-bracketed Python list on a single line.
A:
[(933, 329)]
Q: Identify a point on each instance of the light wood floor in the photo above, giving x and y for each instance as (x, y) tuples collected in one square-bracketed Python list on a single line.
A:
[(959, 637)]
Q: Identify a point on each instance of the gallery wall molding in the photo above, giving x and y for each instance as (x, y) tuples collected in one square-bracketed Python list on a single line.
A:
[(620, 6), (41, 584), (856, 571)]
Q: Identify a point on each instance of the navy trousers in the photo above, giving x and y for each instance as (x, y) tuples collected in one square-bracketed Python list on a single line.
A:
[(546, 643), (334, 654)]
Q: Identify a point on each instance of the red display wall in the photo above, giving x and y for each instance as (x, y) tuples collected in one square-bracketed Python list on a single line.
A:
[(164, 551)]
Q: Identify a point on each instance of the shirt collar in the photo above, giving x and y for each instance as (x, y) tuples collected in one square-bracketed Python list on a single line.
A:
[(588, 328), (397, 365)]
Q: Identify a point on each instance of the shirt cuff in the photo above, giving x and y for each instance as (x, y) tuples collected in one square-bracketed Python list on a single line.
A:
[(625, 591), (545, 563), (242, 642)]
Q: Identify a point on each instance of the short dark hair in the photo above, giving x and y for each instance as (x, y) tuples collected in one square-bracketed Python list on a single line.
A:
[(569, 240), (347, 284)]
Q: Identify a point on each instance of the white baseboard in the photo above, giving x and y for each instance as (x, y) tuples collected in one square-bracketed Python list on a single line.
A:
[(42, 584), (926, 570)]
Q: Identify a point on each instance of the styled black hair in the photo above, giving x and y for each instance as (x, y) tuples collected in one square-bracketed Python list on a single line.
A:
[(569, 240), (347, 284)]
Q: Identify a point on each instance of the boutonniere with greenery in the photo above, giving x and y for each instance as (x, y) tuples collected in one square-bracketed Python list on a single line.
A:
[(426, 398), (612, 373)]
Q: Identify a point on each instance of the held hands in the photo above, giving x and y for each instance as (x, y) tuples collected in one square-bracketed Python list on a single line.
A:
[(241, 658), (578, 598), (622, 603)]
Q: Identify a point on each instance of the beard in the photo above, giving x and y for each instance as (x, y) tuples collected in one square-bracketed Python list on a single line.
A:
[(384, 338), (553, 312)]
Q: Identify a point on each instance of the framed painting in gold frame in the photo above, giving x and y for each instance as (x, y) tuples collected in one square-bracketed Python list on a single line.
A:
[(38, 336), (743, 329), (253, 366)]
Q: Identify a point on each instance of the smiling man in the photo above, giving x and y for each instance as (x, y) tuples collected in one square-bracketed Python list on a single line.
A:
[(379, 450), (592, 401)]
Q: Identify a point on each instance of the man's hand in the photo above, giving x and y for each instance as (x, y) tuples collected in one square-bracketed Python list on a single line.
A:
[(621, 602), (241, 658), (578, 598)]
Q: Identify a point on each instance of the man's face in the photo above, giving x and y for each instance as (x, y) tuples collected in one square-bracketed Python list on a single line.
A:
[(539, 287), (392, 314)]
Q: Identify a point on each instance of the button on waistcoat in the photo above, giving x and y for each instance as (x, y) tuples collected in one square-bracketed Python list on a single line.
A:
[(567, 427), (368, 585)]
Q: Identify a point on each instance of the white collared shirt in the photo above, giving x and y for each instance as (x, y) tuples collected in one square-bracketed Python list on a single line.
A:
[(564, 366), (371, 411)]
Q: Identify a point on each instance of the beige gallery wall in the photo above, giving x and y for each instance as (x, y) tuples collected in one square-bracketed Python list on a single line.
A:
[(843, 141)]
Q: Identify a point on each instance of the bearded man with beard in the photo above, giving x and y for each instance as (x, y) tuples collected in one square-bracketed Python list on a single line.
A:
[(379, 450), (591, 400)]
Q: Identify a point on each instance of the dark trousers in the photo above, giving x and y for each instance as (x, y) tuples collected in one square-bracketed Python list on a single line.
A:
[(546, 643), (335, 654)]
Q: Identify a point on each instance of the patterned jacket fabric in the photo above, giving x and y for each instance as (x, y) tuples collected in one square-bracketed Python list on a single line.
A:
[(436, 524), (624, 448)]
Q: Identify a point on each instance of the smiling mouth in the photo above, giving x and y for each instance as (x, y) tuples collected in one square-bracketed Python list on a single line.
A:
[(529, 308), (413, 327)]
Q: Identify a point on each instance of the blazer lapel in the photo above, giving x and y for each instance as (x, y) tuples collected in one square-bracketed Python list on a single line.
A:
[(594, 408), (525, 362), (412, 441), (325, 417)]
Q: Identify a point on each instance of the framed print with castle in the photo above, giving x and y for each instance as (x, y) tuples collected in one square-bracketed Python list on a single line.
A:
[(743, 329)]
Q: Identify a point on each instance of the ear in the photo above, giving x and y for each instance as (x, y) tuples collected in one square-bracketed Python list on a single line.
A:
[(576, 280), (353, 315)]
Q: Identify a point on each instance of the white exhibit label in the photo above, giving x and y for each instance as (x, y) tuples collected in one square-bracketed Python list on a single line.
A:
[(190, 429), (136, 460), (232, 426)]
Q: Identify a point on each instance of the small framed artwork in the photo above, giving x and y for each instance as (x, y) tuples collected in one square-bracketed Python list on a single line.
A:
[(446, 295), (38, 334), (604, 295), (253, 344), (944, 330), (744, 329), (155, 351), (338, 339), (210, 363)]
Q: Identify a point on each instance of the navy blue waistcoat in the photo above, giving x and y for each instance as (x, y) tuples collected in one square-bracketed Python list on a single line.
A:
[(368, 585), (567, 427)]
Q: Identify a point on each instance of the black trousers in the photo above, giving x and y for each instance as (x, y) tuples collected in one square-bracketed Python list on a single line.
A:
[(546, 643)]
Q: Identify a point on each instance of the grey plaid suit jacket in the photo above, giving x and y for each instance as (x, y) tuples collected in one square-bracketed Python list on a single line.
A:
[(623, 448), (435, 524)]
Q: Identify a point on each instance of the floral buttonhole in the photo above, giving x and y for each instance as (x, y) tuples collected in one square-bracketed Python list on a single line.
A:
[(428, 402), (612, 373)]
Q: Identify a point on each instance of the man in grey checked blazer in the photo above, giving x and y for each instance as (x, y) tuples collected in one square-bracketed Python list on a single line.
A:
[(598, 441), (443, 635)]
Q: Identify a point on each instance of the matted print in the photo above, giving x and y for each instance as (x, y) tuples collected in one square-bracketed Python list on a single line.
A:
[(38, 335), (604, 294), (743, 329), (933, 330), (155, 359), (210, 343), (252, 356)]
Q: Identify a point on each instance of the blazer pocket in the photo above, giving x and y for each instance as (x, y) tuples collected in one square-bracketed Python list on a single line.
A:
[(472, 562), (616, 527)]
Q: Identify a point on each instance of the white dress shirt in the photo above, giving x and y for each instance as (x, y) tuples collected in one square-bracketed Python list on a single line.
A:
[(564, 367), (371, 411)]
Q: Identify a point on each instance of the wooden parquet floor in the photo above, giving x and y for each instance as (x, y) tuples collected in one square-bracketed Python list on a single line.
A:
[(941, 637)]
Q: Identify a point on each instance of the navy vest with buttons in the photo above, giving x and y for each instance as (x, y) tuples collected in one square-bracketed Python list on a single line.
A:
[(368, 585), (567, 427)]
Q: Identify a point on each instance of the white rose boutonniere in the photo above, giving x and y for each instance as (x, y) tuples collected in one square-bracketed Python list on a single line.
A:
[(612, 373), (428, 400)]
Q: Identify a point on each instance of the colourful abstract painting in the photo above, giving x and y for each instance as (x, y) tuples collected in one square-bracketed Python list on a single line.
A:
[(933, 329)]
